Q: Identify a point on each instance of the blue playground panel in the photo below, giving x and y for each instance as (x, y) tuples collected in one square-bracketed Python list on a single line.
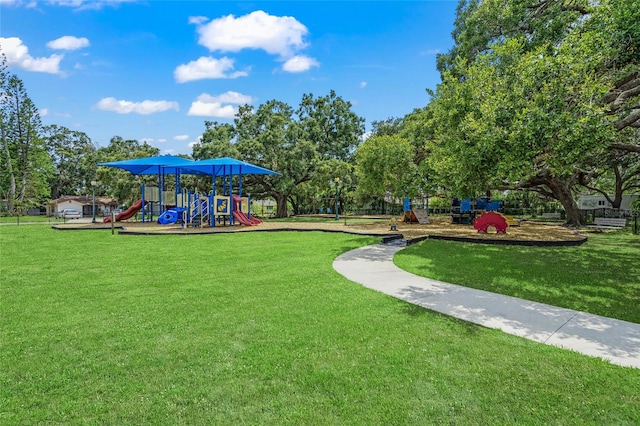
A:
[(482, 203), (171, 216)]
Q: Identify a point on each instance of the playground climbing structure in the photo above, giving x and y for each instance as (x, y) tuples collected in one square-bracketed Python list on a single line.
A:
[(465, 211), (491, 218)]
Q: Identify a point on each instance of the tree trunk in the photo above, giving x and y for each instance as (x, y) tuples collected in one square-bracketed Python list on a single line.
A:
[(11, 196), (295, 205), (562, 192), (617, 197), (281, 201)]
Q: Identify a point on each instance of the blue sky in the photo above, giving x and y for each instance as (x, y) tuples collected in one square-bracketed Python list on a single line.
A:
[(157, 70)]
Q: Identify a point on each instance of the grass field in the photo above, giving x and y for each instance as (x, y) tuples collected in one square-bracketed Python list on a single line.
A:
[(601, 276), (257, 328), (30, 219)]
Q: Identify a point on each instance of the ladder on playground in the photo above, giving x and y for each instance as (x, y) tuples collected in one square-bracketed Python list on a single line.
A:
[(199, 211)]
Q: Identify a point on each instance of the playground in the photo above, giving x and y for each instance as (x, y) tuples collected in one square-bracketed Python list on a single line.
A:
[(223, 204), (360, 225), (224, 209)]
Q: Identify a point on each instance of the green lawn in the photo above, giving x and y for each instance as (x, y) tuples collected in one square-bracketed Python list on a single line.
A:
[(29, 219), (257, 328), (601, 276)]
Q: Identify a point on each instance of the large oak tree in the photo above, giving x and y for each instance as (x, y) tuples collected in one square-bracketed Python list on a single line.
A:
[(73, 156), (300, 144), (535, 94)]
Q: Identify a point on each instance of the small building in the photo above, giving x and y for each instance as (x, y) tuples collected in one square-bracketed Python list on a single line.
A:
[(264, 208), (594, 202), (84, 204)]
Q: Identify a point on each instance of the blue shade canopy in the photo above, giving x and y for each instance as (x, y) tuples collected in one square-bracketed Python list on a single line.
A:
[(167, 164), (224, 166)]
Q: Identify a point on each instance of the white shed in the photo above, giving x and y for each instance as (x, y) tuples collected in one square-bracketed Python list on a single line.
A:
[(592, 202)]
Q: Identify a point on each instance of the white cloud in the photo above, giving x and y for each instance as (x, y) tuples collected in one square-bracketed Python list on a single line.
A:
[(27, 4), (18, 54), (152, 141), (207, 67), (128, 107), (198, 20), (69, 43), (89, 4), (276, 35), (363, 84), (193, 143), (229, 97), (212, 106), (43, 112), (212, 109), (181, 137), (299, 63)]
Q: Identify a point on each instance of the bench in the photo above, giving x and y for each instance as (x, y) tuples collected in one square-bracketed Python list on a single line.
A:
[(512, 221), (551, 215), (608, 223)]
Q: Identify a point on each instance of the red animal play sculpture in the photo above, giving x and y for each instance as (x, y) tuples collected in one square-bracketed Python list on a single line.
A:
[(491, 219)]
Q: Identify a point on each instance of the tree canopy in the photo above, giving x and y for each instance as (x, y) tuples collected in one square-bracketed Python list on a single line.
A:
[(119, 183), (533, 95), (26, 165), (299, 144), (74, 160)]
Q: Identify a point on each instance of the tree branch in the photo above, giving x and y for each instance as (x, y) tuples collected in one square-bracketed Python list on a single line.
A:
[(629, 120), (632, 90), (592, 188), (575, 8), (626, 83), (626, 147)]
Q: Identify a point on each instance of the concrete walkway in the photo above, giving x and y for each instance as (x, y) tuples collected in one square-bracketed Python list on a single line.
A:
[(614, 340)]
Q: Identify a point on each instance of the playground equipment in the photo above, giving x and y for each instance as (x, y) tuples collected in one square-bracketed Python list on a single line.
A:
[(465, 211), (243, 215), (127, 214), (171, 216), (409, 217), (199, 209), (204, 208), (207, 208), (491, 218), (413, 216)]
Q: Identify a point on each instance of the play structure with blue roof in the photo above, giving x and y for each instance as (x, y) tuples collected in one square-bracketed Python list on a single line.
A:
[(219, 206)]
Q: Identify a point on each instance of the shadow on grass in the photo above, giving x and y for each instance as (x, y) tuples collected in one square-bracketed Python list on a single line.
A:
[(601, 277), (416, 311)]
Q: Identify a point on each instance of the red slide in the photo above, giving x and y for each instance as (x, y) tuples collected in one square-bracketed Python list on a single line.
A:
[(242, 216), (243, 219), (127, 214)]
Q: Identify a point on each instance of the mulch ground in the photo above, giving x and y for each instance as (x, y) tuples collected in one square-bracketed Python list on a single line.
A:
[(438, 226)]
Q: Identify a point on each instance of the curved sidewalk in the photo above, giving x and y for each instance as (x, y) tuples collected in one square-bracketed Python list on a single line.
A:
[(611, 339)]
